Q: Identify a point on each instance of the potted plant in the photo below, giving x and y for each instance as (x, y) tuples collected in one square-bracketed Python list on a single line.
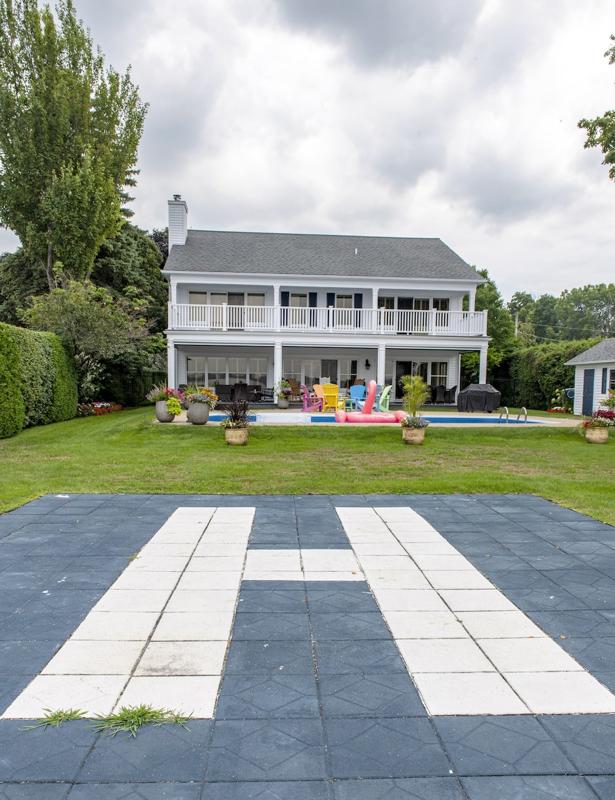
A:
[(200, 402), (160, 395), (284, 391), (416, 392), (596, 428), (236, 423)]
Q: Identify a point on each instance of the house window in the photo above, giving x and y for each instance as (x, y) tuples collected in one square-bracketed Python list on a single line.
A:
[(256, 299), (343, 301), (258, 372), (348, 372), (386, 302), (237, 370), (298, 300), (441, 303), (605, 374), (218, 298), (197, 298), (216, 371), (421, 304), (439, 373), (311, 372), (292, 369), (195, 371)]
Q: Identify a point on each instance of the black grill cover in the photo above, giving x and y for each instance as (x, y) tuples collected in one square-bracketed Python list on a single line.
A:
[(478, 397)]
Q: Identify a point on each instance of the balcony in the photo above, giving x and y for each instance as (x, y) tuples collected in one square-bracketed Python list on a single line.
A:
[(327, 320)]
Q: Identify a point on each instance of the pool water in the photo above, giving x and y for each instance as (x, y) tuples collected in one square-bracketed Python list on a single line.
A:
[(298, 418)]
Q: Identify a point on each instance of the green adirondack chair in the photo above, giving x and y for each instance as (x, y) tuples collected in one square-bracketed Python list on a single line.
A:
[(385, 396)]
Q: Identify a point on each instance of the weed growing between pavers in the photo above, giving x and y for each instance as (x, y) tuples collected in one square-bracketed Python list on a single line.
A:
[(53, 719), (130, 719)]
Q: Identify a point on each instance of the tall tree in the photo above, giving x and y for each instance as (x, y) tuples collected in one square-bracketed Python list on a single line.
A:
[(520, 305), (587, 311), (543, 319), (69, 133), (601, 130)]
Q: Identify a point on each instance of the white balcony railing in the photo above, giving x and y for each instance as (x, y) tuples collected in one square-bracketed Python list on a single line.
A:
[(327, 320)]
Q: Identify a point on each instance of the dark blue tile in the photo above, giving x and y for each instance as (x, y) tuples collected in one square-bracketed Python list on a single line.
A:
[(34, 791), (400, 789), (26, 658), (603, 786), (275, 627), (167, 753), (584, 623), (136, 791), (391, 695), (269, 658), (274, 601), (557, 787), (10, 687), (588, 740), (268, 697), (341, 599), (270, 586), (349, 625), (384, 748), (42, 755), (596, 655), (500, 746), (267, 790), (268, 750), (370, 657)]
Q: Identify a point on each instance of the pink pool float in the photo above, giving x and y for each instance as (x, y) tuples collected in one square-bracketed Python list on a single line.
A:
[(367, 414)]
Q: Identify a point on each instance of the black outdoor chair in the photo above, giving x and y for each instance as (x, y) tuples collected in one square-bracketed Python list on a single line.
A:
[(450, 395), (438, 394), (224, 392), (240, 391)]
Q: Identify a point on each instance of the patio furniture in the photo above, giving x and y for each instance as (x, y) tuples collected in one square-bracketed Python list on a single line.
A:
[(479, 397), (310, 401), (384, 399), (330, 396), (267, 394), (320, 394), (438, 394), (224, 392), (450, 395), (357, 394), (240, 391), (295, 389)]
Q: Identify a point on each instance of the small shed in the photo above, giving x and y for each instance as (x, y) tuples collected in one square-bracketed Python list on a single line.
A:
[(594, 376)]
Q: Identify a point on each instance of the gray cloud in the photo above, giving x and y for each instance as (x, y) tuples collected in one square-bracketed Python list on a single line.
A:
[(399, 32)]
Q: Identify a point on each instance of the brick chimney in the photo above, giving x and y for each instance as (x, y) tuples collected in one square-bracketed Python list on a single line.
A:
[(178, 221)]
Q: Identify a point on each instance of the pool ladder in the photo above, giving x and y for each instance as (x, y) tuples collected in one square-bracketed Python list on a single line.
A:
[(505, 413)]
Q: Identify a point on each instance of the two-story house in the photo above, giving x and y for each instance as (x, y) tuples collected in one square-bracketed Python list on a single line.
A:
[(256, 307)]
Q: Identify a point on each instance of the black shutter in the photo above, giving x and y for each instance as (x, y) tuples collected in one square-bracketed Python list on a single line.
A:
[(358, 300), (284, 302), (604, 379), (353, 372), (330, 303), (312, 303), (358, 303)]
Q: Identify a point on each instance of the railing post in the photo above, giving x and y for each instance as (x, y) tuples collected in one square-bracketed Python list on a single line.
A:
[(224, 316), (432, 321), (170, 315), (277, 318), (485, 322)]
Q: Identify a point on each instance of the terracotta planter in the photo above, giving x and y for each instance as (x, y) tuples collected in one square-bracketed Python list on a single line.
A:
[(282, 402), (413, 435), (198, 413), (237, 436), (162, 415), (597, 435)]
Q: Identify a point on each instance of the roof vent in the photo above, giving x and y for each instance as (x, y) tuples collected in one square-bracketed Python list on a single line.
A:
[(356, 251), (177, 197)]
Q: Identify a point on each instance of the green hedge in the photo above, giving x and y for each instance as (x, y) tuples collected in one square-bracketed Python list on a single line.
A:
[(37, 380), (536, 372)]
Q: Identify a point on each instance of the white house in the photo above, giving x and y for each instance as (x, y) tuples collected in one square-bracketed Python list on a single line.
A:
[(594, 376), (255, 307)]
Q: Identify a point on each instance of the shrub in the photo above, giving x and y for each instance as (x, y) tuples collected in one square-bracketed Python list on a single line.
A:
[(12, 407), (37, 380)]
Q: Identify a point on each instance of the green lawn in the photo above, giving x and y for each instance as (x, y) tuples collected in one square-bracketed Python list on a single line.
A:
[(125, 453)]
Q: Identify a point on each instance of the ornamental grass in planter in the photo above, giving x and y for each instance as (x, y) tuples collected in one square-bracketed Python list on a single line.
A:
[(200, 402), (416, 392), (236, 423)]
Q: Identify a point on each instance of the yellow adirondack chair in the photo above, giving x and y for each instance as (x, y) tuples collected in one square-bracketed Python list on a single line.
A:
[(331, 393)]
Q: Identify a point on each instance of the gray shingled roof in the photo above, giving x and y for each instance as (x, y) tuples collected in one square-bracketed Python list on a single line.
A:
[(317, 254), (603, 351)]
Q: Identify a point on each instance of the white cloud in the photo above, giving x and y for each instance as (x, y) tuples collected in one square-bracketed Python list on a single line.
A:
[(458, 121)]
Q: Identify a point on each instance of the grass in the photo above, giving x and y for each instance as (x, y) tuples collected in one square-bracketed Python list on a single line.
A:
[(130, 719), (54, 719), (125, 452)]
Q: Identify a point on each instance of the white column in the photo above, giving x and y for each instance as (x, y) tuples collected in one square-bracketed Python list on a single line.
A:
[(380, 370), (482, 368), (171, 368), (277, 363), (375, 309), (472, 300), (276, 304)]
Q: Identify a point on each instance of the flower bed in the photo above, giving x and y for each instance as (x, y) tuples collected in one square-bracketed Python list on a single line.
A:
[(97, 409)]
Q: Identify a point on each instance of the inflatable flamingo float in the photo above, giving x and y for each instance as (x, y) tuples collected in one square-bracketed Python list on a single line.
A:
[(367, 414)]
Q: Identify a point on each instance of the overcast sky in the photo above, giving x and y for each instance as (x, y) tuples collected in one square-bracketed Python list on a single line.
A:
[(395, 117)]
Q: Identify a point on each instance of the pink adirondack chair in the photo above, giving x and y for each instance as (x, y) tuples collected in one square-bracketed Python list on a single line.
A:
[(310, 401)]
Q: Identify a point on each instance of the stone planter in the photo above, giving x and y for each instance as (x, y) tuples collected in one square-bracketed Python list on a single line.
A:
[(198, 413), (413, 435), (282, 402), (162, 415), (237, 436), (597, 435)]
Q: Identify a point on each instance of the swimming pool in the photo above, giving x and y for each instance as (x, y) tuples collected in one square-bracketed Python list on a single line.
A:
[(298, 418)]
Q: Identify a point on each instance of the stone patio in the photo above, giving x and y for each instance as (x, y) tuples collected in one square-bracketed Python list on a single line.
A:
[(426, 646)]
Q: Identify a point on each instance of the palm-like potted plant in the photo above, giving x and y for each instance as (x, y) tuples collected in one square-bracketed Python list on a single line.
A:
[(200, 402), (416, 393), (160, 396), (236, 423), (284, 391)]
